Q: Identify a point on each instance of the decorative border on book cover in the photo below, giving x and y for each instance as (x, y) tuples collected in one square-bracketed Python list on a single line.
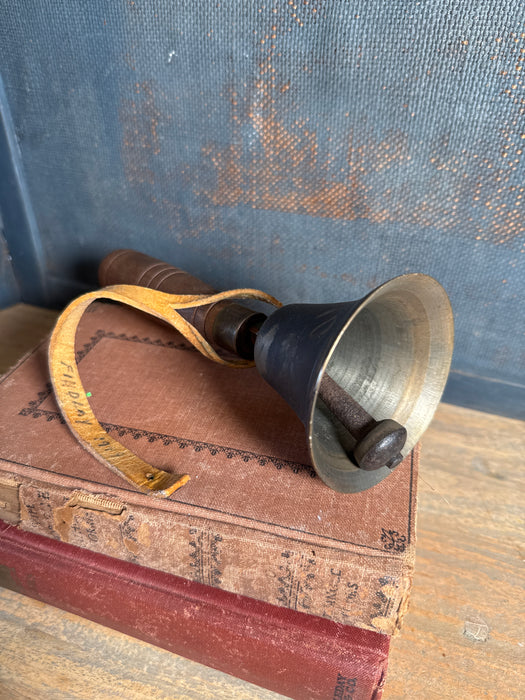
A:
[(34, 409), (392, 541)]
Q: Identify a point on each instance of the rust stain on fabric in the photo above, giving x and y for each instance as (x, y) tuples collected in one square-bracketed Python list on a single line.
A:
[(278, 158), (279, 175), (278, 163)]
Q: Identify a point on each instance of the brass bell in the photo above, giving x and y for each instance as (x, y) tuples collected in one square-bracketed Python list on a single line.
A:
[(390, 352)]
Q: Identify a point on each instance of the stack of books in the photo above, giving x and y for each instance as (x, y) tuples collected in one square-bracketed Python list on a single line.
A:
[(255, 567)]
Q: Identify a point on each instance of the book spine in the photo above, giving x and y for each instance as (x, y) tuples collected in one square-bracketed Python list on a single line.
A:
[(296, 655), (346, 586)]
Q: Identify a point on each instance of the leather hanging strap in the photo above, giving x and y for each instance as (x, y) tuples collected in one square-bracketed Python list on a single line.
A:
[(71, 396)]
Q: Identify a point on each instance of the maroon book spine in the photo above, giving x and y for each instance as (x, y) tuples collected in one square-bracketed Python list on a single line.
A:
[(289, 652)]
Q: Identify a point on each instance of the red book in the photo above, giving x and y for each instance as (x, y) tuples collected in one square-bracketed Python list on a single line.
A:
[(289, 652)]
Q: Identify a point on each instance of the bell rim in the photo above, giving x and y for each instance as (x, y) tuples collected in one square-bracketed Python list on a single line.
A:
[(371, 478)]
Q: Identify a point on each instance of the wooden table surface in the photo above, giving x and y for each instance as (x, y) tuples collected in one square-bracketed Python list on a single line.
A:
[(462, 638)]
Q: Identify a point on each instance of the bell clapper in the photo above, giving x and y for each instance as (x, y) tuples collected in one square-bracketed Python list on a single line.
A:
[(378, 442)]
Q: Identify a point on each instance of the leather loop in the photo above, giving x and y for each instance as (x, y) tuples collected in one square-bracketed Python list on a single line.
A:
[(71, 396)]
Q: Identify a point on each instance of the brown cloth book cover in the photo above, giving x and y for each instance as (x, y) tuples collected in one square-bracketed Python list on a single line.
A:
[(254, 518)]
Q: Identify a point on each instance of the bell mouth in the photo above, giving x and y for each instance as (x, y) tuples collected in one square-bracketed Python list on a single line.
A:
[(393, 357)]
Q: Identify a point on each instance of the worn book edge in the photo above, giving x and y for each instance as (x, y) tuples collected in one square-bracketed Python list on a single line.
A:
[(97, 517)]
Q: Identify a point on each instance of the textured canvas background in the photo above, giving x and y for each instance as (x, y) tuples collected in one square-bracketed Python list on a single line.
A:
[(313, 149)]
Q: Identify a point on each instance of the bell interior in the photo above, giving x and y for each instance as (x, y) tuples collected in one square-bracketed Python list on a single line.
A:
[(393, 356)]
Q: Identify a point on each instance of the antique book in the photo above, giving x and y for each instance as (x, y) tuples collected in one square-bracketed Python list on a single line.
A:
[(254, 519), (294, 654)]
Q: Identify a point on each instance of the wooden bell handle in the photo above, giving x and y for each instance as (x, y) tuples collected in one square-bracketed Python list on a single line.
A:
[(226, 325), (132, 267)]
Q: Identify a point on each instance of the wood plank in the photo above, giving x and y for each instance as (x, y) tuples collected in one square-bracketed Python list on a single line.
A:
[(48, 654), (463, 636), (22, 326)]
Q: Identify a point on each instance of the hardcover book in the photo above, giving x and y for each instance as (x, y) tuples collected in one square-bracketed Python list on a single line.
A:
[(297, 655), (254, 518)]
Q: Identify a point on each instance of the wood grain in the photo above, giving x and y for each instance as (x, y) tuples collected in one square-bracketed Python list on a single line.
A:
[(464, 634), (48, 654), (462, 638), (22, 326)]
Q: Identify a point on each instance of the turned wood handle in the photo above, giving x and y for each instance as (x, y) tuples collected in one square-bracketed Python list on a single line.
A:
[(132, 267), (224, 324)]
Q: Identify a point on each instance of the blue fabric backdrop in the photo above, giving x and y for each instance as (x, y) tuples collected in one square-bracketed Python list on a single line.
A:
[(310, 148)]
